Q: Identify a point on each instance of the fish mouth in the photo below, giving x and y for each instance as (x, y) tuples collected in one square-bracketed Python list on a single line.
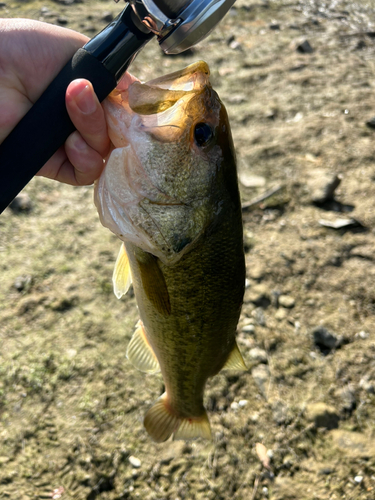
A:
[(160, 94), (158, 107)]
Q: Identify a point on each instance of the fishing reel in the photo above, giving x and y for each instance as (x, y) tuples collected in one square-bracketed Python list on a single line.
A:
[(179, 29)]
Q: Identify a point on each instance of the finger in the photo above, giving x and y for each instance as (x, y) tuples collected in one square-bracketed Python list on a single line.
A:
[(87, 115), (59, 168), (88, 163)]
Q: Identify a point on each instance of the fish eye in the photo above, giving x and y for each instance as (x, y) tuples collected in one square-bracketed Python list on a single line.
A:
[(202, 134)]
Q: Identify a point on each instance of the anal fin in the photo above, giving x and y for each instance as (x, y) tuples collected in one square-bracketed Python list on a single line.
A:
[(235, 360), (160, 422), (140, 353), (121, 277)]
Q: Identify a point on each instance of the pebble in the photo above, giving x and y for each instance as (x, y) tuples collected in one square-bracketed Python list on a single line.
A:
[(248, 329), (347, 396), (323, 186), (261, 375), (107, 17), (259, 355), (367, 384), (22, 283), (322, 415), (134, 462), (63, 20), (251, 181), (325, 339), (281, 314), (304, 47), (286, 301), (358, 479), (21, 203), (258, 295), (371, 123)]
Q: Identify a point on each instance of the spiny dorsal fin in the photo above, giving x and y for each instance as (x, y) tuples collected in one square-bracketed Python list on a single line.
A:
[(121, 277), (140, 353), (161, 422), (153, 282), (235, 360)]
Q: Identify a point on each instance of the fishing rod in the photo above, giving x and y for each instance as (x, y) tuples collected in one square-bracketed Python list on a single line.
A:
[(177, 25)]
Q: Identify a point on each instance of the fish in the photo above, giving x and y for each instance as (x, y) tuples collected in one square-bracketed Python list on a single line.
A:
[(169, 191)]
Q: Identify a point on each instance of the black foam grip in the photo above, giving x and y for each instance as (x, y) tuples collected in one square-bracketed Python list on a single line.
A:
[(46, 126)]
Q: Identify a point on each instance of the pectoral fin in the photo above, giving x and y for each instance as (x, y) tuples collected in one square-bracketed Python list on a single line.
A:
[(121, 277), (153, 282), (140, 353), (235, 360)]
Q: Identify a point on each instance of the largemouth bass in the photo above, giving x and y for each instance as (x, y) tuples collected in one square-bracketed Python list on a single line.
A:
[(169, 191)]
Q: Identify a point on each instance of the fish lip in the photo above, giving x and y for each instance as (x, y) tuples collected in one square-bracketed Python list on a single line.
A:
[(163, 93)]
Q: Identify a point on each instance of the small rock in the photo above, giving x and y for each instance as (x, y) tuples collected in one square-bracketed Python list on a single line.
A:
[(280, 413), (325, 339), (323, 186), (251, 181), (281, 314), (358, 479), (257, 271), (258, 295), (286, 301), (304, 47), (22, 283), (21, 203), (274, 26), (371, 123), (134, 462), (259, 355), (341, 223), (107, 17), (347, 396), (248, 329), (234, 406), (322, 415), (261, 375), (63, 20), (242, 403), (235, 45), (367, 384)]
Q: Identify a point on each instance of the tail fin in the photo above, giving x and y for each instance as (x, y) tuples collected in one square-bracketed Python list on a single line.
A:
[(161, 423)]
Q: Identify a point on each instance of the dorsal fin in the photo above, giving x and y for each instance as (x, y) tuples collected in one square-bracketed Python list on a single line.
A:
[(121, 277), (235, 360), (140, 353)]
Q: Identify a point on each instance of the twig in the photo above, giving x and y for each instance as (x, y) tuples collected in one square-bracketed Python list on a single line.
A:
[(258, 199)]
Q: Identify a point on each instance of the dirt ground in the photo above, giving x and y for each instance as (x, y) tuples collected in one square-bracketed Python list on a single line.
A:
[(298, 82)]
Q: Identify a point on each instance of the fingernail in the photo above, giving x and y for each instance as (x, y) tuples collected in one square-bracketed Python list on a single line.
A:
[(85, 101)]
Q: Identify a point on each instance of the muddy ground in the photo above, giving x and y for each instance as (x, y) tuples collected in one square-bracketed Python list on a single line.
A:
[(71, 405)]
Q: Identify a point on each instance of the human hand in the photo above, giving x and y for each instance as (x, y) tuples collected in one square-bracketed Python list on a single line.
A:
[(31, 55)]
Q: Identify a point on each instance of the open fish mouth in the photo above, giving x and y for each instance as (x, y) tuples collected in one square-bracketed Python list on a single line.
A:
[(160, 94), (158, 106)]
